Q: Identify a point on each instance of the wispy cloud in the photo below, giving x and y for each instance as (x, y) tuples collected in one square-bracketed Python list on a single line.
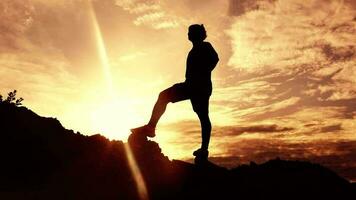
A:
[(253, 129), (282, 34), (331, 128), (151, 13), (16, 18)]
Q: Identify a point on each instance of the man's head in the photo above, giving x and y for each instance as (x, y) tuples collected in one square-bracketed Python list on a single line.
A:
[(196, 33)]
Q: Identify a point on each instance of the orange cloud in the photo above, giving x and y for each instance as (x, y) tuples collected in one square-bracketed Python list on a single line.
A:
[(282, 34)]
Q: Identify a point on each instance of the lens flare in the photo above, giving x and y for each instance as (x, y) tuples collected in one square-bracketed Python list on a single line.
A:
[(135, 170), (101, 50), (140, 182)]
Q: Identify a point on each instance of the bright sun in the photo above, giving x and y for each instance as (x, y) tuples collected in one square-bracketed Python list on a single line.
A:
[(115, 118)]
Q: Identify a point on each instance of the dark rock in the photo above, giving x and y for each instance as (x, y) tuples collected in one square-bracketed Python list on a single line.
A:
[(40, 159)]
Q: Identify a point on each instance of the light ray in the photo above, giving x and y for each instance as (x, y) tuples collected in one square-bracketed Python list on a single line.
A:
[(140, 182), (135, 170), (101, 50)]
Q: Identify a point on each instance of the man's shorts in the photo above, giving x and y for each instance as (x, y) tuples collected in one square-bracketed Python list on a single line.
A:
[(182, 91)]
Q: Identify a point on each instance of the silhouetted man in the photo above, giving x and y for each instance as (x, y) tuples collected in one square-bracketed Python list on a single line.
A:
[(197, 87)]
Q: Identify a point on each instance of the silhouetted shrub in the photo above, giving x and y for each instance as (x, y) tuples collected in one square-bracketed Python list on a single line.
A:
[(11, 99)]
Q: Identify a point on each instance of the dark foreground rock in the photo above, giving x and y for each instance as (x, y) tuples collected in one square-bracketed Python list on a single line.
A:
[(42, 160)]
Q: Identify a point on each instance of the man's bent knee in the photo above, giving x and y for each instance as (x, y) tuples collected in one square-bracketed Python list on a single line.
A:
[(163, 97)]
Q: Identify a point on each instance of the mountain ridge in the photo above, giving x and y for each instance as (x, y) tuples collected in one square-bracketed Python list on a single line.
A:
[(43, 160)]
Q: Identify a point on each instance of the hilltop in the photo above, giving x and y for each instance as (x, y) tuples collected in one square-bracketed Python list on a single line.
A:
[(40, 159)]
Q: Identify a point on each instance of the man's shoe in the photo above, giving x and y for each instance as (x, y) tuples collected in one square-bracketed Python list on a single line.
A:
[(201, 153), (146, 130)]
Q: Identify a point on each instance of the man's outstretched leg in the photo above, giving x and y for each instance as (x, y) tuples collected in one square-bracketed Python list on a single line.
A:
[(178, 92), (158, 110)]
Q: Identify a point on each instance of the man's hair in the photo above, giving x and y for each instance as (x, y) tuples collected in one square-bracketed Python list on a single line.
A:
[(198, 31)]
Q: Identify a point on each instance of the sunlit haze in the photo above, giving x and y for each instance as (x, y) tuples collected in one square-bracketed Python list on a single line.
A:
[(284, 86)]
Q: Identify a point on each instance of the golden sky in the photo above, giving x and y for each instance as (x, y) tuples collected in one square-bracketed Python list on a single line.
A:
[(285, 84)]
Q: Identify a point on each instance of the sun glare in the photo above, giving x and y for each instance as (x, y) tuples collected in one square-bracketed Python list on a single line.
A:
[(114, 119), (113, 116)]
